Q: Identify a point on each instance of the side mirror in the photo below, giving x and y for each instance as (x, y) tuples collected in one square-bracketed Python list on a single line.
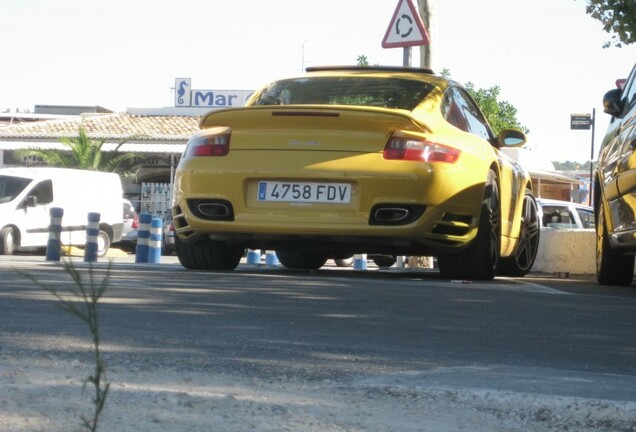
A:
[(511, 138), (612, 102), (31, 201)]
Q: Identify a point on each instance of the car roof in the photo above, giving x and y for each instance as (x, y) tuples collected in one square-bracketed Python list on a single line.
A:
[(413, 73), (554, 202), (370, 69)]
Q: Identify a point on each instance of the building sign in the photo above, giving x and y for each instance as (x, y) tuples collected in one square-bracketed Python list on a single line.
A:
[(182, 95), (580, 121), (185, 96)]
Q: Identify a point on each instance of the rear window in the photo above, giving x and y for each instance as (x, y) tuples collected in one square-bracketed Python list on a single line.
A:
[(587, 217), (380, 92), (557, 217)]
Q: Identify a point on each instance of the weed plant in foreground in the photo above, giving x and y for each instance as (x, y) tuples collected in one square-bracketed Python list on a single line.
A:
[(80, 298)]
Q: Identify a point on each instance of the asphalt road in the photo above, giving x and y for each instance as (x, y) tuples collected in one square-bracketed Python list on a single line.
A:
[(539, 334)]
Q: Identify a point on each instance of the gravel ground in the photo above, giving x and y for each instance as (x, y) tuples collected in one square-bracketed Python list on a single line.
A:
[(46, 394)]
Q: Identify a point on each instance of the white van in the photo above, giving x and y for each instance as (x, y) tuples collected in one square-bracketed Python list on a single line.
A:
[(28, 194)]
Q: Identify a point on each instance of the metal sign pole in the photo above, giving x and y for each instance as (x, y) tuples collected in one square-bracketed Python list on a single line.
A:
[(589, 193), (406, 62)]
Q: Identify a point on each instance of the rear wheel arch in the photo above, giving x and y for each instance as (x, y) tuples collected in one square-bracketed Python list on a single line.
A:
[(479, 260)]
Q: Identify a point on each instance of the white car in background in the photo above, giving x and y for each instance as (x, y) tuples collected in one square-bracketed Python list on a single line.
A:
[(131, 219), (167, 239), (565, 214)]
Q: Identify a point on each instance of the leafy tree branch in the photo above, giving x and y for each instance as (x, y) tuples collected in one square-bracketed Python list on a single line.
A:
[(83, 152), (618, 18)]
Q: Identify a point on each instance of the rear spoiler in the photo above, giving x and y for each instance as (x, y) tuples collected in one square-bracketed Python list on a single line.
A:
[(369, 69)]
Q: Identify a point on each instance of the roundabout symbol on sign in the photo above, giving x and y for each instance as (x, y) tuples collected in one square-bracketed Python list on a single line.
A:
[(404, 17), (406, 28)]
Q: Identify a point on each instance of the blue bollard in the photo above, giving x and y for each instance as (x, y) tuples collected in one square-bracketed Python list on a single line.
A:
[(360, 262), (143, 237), (253, 256), (154, 242), (92, 232), (54, 244), (271, 260)]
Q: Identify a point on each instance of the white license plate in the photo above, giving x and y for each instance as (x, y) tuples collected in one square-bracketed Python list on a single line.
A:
[(304, 192)]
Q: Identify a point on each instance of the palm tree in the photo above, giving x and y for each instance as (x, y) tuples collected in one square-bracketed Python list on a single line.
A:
[(86, 153)]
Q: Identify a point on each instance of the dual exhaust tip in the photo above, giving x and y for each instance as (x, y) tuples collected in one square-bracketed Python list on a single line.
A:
[(383, 214)]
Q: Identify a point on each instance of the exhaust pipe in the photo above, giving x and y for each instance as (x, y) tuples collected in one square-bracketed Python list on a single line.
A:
[(391, 214), (395, 214), (214, 210), (211, 209)]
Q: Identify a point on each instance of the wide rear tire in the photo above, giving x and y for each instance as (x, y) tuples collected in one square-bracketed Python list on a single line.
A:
[(212, 255), (480, 259), (301, 260), (612, 268), (384, 260)]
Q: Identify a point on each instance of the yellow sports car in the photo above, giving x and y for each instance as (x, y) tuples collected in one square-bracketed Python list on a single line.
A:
[(353, 160)]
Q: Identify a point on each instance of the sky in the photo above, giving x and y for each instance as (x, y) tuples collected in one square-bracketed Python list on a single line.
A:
[(545, 55)]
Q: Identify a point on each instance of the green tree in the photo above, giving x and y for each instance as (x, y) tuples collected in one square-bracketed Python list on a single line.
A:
[(571, 166), (618, 18), (86, 153), (500, 114), (362, 60)]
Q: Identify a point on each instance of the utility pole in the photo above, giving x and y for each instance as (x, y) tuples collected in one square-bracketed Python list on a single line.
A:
[(589, 193), (425, 7)]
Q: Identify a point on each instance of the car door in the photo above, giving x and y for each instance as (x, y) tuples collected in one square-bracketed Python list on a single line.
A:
[(618, 159), (468, 117), (35, 220), (626, 139)]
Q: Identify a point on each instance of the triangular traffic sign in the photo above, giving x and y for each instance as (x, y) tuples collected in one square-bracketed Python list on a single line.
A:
[(406, 27)]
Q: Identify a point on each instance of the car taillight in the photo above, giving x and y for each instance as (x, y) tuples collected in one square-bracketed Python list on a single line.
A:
[(214, 143), (135, 222), (413, 149)]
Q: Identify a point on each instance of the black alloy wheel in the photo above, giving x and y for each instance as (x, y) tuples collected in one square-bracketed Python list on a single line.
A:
[(521, 262)]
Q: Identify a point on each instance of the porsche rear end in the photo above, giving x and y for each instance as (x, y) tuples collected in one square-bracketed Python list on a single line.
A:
[(325, 178)]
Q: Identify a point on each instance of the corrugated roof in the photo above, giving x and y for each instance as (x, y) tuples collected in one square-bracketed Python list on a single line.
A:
[(143, 147), (107, 127)]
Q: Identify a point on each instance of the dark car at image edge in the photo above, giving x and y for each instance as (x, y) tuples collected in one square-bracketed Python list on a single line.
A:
[(615, 187)]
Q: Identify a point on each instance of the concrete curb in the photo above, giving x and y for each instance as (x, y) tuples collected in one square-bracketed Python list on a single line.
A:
[(566, 251)]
